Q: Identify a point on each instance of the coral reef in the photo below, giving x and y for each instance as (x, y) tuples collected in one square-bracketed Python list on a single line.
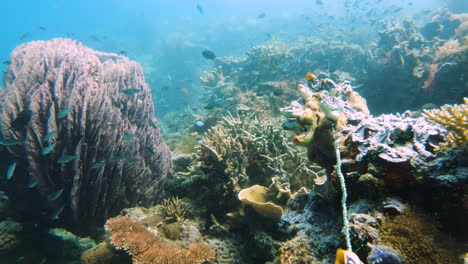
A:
[(455, 119), (88, 134), (144, 247), (174, 208), (425, 63)]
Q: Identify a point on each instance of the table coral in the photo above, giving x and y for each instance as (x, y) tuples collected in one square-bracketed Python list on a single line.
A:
[(145, 248)]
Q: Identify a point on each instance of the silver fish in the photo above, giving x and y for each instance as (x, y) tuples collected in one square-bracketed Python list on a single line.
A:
[(33, 183)]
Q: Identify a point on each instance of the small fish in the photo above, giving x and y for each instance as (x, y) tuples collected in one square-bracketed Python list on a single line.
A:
[(290, 124), (20, 259), (130, 92), (261, 16), (55, 195), (185, 91), (115, 158), (130, 160), (95, 38), (152, 124), (3, 196), (43, 261), (194, 134), (57, 213), (42, 28), (10, 142), (25, 36), (208, 54), (33, 183), (7, 62), (200, 9), (63, 113), (11, 171), (122, 52), (98, 164), (48, 149), (22, 120), (50, 135), (199, 123), (319, 2), (128, 137), (150, 150), (65, 159)]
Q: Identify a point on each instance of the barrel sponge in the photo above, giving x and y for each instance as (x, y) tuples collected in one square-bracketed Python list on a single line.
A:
[(100, 112)]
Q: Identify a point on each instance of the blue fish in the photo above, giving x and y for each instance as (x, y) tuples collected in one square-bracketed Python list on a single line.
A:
[(63, 113), (128, 137), (199, 123), (98, 164), (10, 142), (48, 149), (33, 183), (11, 170), (3, 196), (116, 158), (50, 135), (57, 213), (55, 195), (65, 159)]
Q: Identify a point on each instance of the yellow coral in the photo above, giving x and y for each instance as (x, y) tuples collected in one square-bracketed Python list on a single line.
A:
[(174, 208), (455, 119)]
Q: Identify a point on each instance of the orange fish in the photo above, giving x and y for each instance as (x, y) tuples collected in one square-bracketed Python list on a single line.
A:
[(310, 77)]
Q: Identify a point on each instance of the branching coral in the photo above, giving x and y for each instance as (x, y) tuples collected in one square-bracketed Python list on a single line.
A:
[(174, 208), (455, 119), (251, 151), (145, 248), (93, 104)]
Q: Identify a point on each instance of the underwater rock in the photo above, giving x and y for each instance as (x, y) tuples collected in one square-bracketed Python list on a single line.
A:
[(384, 255), (79, 92), (67, 245), (393, 206)]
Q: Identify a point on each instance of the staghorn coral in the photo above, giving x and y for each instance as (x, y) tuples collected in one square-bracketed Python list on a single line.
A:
[(145, 248), (92, 99), (174, 208), (251, 151), (455, 119)]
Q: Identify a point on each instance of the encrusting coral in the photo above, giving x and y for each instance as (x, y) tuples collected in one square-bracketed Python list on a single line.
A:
[(85, 132), (145, 248), (455, 119)]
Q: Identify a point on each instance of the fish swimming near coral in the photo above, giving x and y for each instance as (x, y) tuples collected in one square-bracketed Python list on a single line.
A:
[(49, 135), (346, 257), (57, 213), (98, 164), (10, 142), (128, 137), (65, 158), (208, 54), (115, 158), (11, 171), (55, 195), (63, 113), (22, 120), (33, 183), (130, 92), (48, 149), (3, 196)]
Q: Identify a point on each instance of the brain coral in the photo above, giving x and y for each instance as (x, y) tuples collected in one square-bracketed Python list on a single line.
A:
[(80, 125)]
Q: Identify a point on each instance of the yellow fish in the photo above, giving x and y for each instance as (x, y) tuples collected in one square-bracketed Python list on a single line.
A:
[(346, 257)]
